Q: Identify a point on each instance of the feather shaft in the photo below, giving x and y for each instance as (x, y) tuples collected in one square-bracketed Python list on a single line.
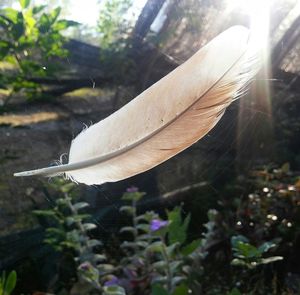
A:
[(166, 118)]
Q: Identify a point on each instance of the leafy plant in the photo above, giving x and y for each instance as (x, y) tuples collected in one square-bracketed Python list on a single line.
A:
[(8, 283), (115, 26), (238, 252), (30, 40), (250, 236), (158, 256), (250, 256), (70, 229)]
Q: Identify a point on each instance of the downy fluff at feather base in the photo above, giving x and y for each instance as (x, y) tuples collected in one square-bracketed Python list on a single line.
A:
[(166, 118)]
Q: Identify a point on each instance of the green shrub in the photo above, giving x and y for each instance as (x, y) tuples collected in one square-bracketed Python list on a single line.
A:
[(30, 41)]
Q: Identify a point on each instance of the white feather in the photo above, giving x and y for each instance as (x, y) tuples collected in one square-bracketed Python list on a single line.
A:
[(166, 118)]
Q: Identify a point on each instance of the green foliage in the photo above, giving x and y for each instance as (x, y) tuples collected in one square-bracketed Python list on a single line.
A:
[(30, 39), (158, 252), (177, 227), (8, 283), (115, 35), (250, 256), (158, 256), (69, 231), (257, 218)]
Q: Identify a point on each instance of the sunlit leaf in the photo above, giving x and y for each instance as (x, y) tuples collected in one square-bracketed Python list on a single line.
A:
[(38, 8), (11, 14), (80, 205), (271, 259), (113, 290), (89, 226), (54, 15), (10, 282), (64, 24), (24, 3)]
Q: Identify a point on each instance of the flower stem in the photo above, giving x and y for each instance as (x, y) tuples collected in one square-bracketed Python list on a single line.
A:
[(168, 268)]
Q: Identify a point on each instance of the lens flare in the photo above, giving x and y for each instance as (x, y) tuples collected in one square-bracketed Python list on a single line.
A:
[(255, 127)]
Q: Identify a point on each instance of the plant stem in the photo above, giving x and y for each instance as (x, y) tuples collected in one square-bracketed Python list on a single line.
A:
[(78, 223), (168, 268), (134, 222)]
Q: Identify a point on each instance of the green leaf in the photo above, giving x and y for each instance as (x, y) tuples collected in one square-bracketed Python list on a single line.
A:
[(81, 205), (178, 279), (132, 196), (142, 244), (38, 8), (174, 265), (10, 283), (11, 14), (4, 48), (89, 226), (144, 227), (19, 27), (127, 244), (238, 262), (181, 290), (128, 229), (285, 168), (239, 238), (160, 265), (66, 188), (64, 24), (177, 228), (48, 213), (114, 290), (99, 257), (55, 231), (246, 250), (171, 249), (4, 22), (24, 3), (159, 290), (234, 291), (128, 209), (94, 243), (271, 259), (54, 14), (190, 248), (76, 218), (155, 247), (106, 268), (265, 247)]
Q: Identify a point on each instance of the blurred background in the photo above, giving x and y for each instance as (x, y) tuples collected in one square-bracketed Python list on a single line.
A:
[(66, 64)]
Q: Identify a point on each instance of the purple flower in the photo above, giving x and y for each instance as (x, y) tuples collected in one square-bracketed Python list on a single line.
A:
[(132, 189), (85, 266), (112, 282), (156, 224)]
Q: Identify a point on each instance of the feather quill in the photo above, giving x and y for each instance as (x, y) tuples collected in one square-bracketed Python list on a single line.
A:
[(166, 118)]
